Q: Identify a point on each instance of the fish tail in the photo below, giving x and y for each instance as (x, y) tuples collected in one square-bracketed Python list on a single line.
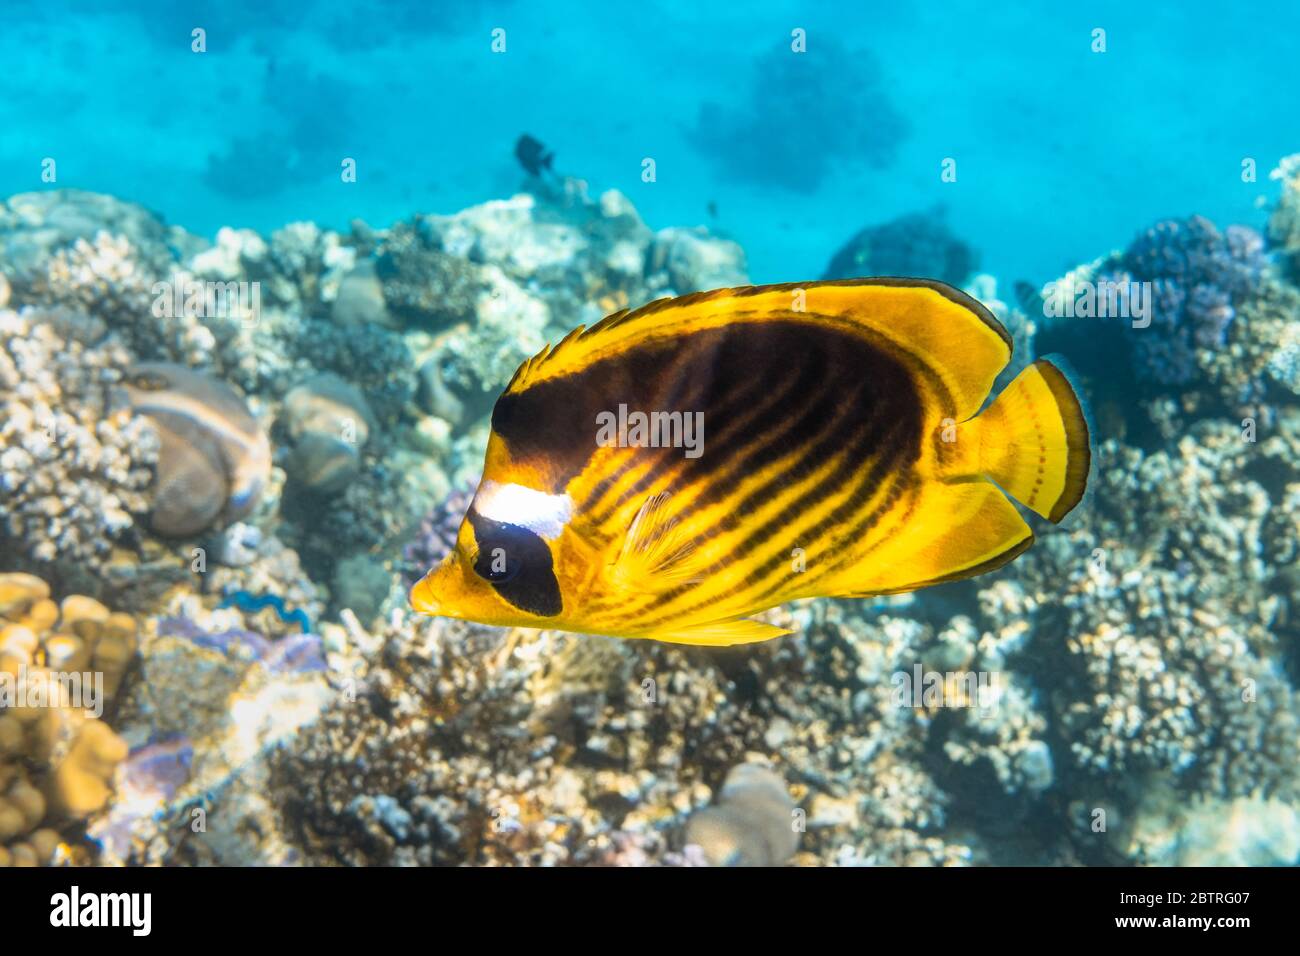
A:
[(1033, 440)]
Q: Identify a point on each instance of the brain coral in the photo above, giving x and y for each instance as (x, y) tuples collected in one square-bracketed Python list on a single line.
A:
[(214, 459), (752, 823)]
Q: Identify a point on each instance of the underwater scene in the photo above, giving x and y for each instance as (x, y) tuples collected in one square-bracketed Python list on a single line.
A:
[(562, 434)]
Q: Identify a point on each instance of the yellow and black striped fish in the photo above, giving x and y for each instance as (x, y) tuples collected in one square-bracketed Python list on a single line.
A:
[(832, 449)]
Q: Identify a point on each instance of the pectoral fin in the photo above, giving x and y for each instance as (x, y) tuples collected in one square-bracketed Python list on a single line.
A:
[(656, 557)]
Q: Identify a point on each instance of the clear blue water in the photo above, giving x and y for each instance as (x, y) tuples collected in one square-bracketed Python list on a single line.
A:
[(1062, 153)]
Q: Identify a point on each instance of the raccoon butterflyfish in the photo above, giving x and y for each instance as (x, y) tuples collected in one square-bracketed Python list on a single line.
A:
[(673, 469)]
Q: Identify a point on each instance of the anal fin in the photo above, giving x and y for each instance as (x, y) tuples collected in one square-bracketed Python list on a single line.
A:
[(721, 633), (958, 531)]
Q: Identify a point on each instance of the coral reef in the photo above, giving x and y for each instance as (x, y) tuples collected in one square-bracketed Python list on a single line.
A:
[(225, 697), (1200, 323), (1284, 222), (421, 284), (1199, 277), (452, 743), (378, 363), (1172, 660), (34, 226), (285, 706), (1243, 831)]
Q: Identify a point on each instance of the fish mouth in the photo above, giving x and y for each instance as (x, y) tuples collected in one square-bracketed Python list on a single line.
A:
[(422, 597)]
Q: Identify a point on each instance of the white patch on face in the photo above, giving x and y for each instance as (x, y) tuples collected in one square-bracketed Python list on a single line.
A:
[(540, 513)]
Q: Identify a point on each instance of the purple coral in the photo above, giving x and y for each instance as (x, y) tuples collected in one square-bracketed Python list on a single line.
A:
[(435, 538), (1198, 278), (160, 768), (296, 653)]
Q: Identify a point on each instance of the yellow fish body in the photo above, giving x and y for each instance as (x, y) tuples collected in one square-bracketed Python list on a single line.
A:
[(673, 469)]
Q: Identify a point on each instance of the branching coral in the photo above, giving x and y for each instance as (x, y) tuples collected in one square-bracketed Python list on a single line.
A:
[(1198, 278), (104, 276), (74, 460), (1173, 297), (1172, 659), (567, 749)]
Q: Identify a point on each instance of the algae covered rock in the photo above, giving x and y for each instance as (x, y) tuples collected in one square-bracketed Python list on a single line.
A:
[(329, 421), (918, 244), (422, 284), (360, 299)]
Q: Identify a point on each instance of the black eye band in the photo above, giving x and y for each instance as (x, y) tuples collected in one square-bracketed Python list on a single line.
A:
[(517, 562)]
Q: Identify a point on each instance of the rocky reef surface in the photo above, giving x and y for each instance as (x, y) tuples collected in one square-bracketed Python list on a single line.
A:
[(222, 464)]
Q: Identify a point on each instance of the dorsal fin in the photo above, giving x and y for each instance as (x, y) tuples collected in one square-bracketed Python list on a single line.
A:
[(947, 330)]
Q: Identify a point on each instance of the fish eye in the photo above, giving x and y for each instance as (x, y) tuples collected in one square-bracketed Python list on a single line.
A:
[(497, 565)]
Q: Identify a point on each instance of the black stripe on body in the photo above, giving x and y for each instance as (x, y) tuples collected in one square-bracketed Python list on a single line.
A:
[(553, 424), (869, 404), (843, 526), (816, 451), (765, 426), (741, 415)]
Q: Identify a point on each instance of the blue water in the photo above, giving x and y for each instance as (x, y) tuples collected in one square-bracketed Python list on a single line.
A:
[(1062, 153)]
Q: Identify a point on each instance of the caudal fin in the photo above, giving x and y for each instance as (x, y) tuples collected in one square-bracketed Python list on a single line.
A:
[(1033, 441)]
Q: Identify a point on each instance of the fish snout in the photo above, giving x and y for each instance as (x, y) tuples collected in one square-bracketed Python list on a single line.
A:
[(435, 593), (423, 595)]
